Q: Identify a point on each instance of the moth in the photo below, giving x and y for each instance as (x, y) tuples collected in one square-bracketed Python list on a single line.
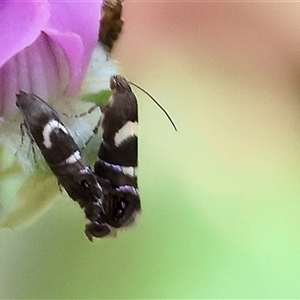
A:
[(117, 164), (117, 157), (116, 167), (111, 23), (64, 158)]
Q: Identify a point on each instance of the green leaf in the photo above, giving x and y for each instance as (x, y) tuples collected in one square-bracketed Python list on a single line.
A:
[(100, 98)]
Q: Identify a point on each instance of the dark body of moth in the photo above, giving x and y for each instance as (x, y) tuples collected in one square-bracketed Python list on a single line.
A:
[(111, 23), (116, 167), (64, 158)]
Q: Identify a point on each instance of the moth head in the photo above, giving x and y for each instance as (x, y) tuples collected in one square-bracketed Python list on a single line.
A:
[(23, 99), (119, 84), (96, 230)]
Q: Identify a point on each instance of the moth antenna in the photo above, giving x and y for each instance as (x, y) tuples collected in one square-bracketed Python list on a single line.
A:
[(156, 102)]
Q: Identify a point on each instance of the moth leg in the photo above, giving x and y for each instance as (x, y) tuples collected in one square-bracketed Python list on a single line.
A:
[(95, 131), (31, 147), (22, 137), (96, 128), (24, 131), (96, 230), (59, 186), (22, 125), (89, 111)]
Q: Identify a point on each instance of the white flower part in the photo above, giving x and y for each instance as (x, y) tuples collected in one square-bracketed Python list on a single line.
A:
[(49, 127), (128, 130), (99, 72)]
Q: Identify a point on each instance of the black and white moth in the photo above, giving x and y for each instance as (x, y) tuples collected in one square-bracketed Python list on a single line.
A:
[(111, 23), (117, 163), (118, 150), (64, 158)]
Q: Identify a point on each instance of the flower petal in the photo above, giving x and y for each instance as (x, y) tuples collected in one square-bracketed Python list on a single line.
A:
[(49, 47), (41, 68), (74, 26), (21, 23)]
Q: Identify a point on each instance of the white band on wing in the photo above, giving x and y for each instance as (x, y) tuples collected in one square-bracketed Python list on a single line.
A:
[(128, 130), (49, 127)]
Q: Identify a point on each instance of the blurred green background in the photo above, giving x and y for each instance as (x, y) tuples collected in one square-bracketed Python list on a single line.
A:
[(221, 198)]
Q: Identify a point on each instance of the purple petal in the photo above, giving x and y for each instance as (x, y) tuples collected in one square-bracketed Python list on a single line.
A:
[(41, 68), (49, 46), (74, 26), (21, 23)]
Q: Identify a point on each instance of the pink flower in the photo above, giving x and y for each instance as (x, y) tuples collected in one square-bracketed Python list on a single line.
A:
[(46, 47)]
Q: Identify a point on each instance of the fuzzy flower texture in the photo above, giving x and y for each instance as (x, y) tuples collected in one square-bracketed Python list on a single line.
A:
[(46, 48)]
